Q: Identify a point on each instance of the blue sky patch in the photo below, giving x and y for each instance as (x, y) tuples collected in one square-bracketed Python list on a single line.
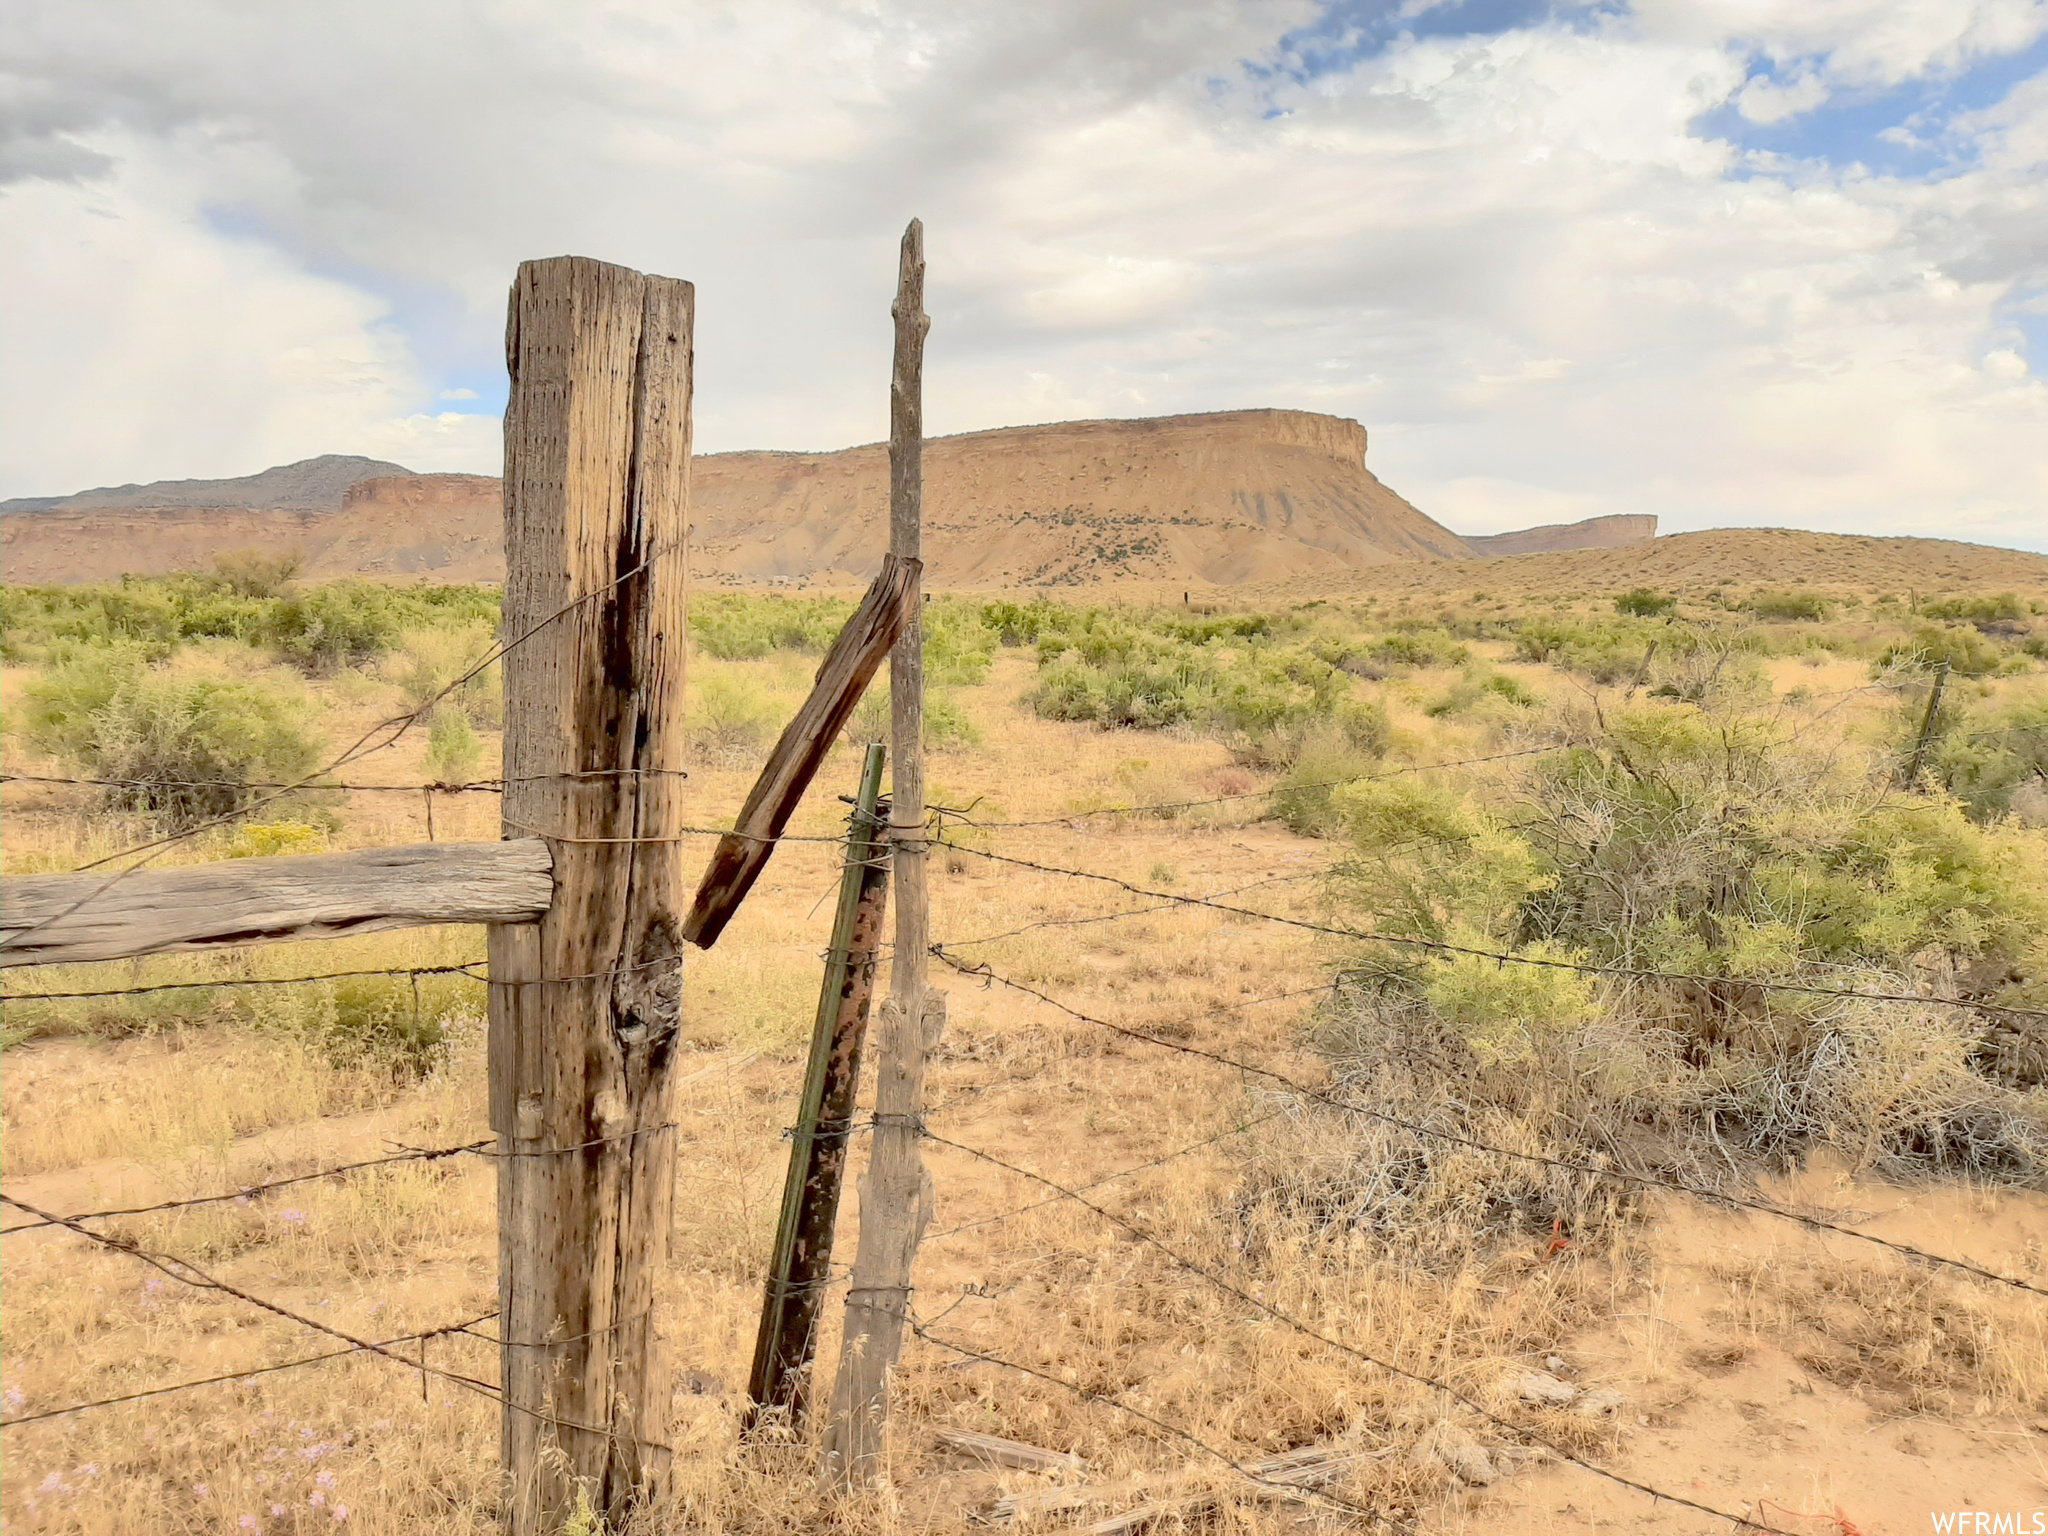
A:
[(1892, 131)]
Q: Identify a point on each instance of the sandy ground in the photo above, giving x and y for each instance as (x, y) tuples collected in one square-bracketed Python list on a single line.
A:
[(1751, 1354)]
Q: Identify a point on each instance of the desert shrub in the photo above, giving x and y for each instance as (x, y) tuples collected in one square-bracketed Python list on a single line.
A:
[(730, 714), (186, 746), (1508, 1014), (251, 573), (1205, 629), (1707, 844), (453, 751), (1609, 651), (959, 644), (1716, 672), (1476, 687), (395, 1024), (1975, 610), (1711, 842), (1225, 675), (947, 726), (745, 626), (340, 624), (1122, 676), (270, 839), (1702, 842), (1981, 757), (1425, 647), (151, 615), (426, 664), (1275, 692), (1789, 607), (1304, 798), (1966, 652), (1645, 603), (959, 639), (316, 628)]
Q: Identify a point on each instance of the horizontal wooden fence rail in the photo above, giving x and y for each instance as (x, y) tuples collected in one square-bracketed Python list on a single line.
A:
[(65, 919)]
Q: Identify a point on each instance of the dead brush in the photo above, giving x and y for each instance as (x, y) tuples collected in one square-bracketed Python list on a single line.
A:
[(1358, 1177), (1915, 1341)]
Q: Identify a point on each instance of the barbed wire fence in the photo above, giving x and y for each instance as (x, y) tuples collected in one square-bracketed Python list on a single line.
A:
[(1258, 1478)]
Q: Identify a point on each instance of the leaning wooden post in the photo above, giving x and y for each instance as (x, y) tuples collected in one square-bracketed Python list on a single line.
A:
[(586, 1003), (895, 1195)]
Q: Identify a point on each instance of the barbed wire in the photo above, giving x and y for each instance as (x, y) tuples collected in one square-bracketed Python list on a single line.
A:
[(486, 1148), (463, 1327), (1308, 874), (681, 834), (1019, 1080), (252, 1191), (1110, 1178), (1416, 1128), (186, 1273), (467, 968), (396, 725), (1114, 917), (438, 786), (1186, 1437), (1436, 1384), (1504, 957), (1250, 794)]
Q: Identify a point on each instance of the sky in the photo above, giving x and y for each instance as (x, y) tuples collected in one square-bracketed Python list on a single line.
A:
[(1731, 262)]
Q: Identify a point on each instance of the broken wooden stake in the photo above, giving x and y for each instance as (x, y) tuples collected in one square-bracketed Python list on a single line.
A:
[(737, 861), (1000, 1452)]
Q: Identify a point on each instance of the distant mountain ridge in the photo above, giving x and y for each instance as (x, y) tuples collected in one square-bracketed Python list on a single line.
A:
[(311, 485), (1612, 532), (1219, 499)]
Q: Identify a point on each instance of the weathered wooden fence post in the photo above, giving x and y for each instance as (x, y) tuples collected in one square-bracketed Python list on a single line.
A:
[(895, 1195), (586, 1003)]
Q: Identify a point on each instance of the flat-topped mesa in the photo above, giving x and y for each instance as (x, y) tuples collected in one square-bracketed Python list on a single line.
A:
[(1338, 437), (1217, 498), (1212, 499)]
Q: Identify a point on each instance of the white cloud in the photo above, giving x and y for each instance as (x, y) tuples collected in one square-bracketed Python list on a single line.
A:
[(1518, 258), (1764, 100), (158, 348)]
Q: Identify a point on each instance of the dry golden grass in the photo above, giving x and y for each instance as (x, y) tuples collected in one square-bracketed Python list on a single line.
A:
[(126, 1106)]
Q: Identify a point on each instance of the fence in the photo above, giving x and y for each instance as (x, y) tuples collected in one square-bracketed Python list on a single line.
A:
[(1307, 1481), (585, 911)]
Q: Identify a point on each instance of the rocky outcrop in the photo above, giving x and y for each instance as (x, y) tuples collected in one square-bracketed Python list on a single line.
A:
[(410, 490), (1594, 533)]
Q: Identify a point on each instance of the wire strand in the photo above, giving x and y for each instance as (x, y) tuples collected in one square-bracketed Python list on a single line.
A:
[(1221, 1283), (464, 1327), (1503, 957), (1322, 1096)]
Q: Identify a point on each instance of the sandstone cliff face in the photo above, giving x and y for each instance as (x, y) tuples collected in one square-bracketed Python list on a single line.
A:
[(1553, 538), (1224, 498), (1218, 499)]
